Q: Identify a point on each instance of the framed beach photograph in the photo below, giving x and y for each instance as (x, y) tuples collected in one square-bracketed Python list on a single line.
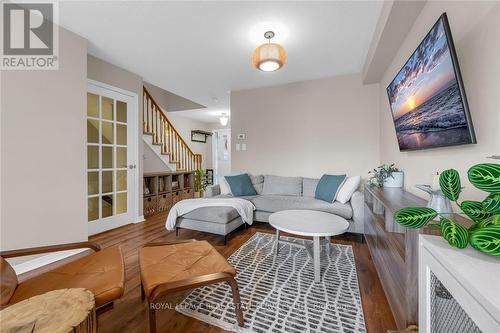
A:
[(427, 97)]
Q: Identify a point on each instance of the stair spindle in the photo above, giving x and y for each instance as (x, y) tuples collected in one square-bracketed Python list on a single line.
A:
[(170, 139), (165, 136), (158, 126), (148, 110), (153, 115), (144, 111)]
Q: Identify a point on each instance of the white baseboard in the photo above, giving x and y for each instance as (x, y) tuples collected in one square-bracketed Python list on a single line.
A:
[(44, 260), (49, 258)]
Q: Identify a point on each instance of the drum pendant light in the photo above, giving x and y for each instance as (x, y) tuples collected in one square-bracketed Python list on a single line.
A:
[(270, 56)]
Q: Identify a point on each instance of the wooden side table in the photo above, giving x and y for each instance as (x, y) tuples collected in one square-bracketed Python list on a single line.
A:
[(58, 311)]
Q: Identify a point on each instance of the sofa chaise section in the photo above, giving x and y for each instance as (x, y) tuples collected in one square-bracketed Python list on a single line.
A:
[(214, 220)]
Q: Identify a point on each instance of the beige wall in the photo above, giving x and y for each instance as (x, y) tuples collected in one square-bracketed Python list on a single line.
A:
[(151, 162), (218, 126), (43, 164), (307, 128), (115, 76), (475, 28), (174, 102)]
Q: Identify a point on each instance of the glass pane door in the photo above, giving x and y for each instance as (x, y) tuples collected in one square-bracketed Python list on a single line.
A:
[(109, 165), (222, 153)]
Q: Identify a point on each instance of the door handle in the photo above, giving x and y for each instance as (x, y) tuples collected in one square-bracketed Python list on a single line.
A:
[(132, 166)]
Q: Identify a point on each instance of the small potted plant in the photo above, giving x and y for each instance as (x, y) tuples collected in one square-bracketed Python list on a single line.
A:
[(200, 183), (386, 176)]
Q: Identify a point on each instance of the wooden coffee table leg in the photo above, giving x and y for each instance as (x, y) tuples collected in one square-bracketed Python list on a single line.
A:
[(237, 301), (316, 259)]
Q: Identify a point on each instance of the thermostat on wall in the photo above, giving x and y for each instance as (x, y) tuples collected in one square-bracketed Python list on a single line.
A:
[(242, 136)]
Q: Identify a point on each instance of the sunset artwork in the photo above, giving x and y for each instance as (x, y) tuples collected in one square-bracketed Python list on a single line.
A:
[(427, 104)]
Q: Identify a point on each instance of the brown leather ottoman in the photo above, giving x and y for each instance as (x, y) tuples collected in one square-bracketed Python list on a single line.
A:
[(169, 267)]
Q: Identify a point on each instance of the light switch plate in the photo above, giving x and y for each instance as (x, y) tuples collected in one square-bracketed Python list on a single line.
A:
[(243, 146), (237, 147), (242, 136)]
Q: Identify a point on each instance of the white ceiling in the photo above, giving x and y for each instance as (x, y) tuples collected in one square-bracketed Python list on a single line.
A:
[(202, 50)]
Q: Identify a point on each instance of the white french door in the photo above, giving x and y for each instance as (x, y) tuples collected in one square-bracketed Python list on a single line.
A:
[(112, 178)]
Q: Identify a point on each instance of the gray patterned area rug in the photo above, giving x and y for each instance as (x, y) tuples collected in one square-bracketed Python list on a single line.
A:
[(280, 295)]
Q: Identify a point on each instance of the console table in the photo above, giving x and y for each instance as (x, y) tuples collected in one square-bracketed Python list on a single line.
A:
[(394, 249)]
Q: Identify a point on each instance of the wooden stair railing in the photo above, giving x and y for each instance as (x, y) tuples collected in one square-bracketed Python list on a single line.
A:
[(165, 135)]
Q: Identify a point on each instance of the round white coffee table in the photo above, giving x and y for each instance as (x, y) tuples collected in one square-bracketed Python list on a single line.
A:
[(310, 223)]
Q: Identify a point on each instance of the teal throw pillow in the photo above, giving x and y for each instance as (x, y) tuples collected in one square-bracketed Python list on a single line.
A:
[(241, 185), (328, 187)]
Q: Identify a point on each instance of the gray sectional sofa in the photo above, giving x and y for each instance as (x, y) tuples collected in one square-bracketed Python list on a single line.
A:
[(274, 193)]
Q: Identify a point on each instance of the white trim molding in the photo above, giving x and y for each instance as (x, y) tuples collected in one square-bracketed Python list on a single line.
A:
[(43, 260)]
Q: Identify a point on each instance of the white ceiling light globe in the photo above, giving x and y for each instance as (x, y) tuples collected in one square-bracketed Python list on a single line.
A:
[(269, 66), (223, 120)]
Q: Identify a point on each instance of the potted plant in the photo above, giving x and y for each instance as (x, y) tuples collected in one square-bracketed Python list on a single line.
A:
[(386, 176), (484, 234), (200, 183)]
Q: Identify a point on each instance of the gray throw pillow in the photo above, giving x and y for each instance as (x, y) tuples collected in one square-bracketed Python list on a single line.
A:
[(258, 183), (276, 185), (309, 187)]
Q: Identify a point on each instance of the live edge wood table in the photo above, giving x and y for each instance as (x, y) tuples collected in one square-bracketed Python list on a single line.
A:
[(394, 249), (58, 311)]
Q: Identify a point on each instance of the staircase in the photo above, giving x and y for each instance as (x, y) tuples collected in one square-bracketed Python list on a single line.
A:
[(163, 138)]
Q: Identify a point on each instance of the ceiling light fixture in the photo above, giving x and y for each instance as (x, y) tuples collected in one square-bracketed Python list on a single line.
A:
[(270, 56), (224, 119)]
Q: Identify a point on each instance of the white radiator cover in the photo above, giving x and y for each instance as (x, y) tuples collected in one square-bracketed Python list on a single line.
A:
[(471, 277)]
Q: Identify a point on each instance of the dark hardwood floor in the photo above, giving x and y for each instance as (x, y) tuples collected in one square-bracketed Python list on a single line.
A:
[(129, 313)]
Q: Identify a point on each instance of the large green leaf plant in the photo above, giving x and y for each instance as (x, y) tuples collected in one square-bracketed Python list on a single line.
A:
[(484, 234)]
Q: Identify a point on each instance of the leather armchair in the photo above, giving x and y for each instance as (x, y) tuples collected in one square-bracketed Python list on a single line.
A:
[(102, 272)]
